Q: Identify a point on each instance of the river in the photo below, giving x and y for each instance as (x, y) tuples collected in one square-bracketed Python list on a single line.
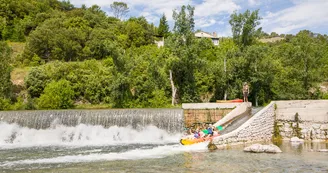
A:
[(87, 148)]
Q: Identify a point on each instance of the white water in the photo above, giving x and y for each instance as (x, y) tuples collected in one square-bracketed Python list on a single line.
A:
[(15, 136), (157, 152)]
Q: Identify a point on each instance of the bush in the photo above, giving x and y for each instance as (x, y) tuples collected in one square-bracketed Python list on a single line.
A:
[(4, 104), (57, 95), (36, 81)]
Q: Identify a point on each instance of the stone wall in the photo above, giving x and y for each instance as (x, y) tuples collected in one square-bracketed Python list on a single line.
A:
[(258, 128), (199, 116), (198, 113), (306, 119)]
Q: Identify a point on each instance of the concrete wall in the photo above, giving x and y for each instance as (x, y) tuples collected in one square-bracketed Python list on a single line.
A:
[(313, 119), (258, 128), (200, 116), (239, 110), (209, 105), (198, 113)]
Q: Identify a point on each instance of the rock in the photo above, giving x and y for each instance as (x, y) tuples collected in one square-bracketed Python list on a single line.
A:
[(318, 140), (296, 140), (324, 127), (302, 126), (212, 146), (316, 126), (288, 129), (258, 148), (294, 124), (304, 131), (323, 150)]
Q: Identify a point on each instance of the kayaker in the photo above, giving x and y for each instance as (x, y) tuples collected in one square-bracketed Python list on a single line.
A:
[(196, 133), (210, 130), (215, 132)]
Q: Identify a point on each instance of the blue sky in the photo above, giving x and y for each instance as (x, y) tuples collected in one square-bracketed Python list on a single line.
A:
[(281, 16)]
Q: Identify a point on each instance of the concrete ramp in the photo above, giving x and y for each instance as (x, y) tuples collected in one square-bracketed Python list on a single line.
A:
[(240, 111), (258, 128), (240, 120)]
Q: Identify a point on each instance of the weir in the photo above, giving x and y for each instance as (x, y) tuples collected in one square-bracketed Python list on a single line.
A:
[(170, 120)]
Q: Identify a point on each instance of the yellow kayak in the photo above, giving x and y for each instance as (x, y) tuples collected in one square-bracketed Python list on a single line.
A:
[(194, 141)]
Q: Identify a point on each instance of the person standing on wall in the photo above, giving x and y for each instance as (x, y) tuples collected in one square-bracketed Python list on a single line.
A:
[(245, 91)]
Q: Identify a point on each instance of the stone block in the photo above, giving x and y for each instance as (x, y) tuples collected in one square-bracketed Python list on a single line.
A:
[(288, 129), (304, 131), (318, 131), (316, 126), (324, 127)]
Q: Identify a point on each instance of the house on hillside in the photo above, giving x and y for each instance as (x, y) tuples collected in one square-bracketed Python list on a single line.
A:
[(213, 37), (159, 41), (201, 34)]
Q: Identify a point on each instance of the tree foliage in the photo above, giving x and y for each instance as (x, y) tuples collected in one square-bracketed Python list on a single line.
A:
[(57, 95), (5, 69), (120, 9), (243, 27), (97, 59), (163, 28)]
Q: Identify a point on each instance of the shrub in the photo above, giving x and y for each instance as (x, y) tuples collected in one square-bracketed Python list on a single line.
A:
[(57, 95), (4, 104)]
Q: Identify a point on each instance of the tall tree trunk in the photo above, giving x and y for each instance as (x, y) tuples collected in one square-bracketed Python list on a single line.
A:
[(174, 89), (225, 73), (225, 95), (256, 100)]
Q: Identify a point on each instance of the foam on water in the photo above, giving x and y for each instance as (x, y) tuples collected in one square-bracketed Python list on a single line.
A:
[(157, 152), (15, 136)]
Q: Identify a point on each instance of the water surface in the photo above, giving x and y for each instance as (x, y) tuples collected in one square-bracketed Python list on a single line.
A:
[(87, 148)]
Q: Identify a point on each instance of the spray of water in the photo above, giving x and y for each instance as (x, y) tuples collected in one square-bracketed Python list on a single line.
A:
[(15, 136)]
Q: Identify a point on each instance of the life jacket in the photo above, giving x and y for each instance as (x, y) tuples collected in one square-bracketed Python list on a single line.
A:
[(196, 135), (210, 131)]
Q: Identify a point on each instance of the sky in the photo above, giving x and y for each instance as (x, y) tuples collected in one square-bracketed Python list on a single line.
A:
[(280, 16)]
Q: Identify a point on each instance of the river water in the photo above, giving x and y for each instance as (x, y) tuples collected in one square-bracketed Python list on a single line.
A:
[(86, 148)]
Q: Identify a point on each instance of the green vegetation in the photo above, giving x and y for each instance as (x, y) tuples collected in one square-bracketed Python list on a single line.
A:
[(56, 56), (296, 128), (57, 95), (5, 69)]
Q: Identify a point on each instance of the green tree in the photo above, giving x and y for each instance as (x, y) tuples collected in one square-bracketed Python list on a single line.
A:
[(227, 54), (120, 9), (244, 27), (260, 69), (57, 95), (184, 24), (36, 81), (5, 69), (183, 59), (163, 28), (303, 66)]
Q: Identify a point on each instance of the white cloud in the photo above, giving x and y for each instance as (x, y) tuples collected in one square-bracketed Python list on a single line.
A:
[(253, 3), (304, 14), (205, 12), (215, 7), (152, 8), (204, 22)]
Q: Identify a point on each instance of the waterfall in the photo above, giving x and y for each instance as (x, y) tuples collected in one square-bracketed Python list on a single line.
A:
[(170, 120)]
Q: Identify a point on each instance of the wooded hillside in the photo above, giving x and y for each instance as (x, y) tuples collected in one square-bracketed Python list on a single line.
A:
[(80, 57)]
